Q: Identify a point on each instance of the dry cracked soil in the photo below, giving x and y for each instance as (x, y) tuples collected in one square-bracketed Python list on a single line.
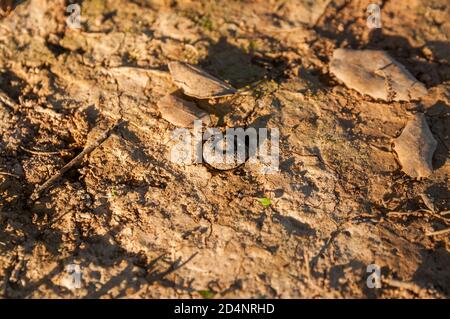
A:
[(139, 225)]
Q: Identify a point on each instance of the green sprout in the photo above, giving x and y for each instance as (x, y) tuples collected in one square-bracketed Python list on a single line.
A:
[(207, 294), (266, 202), (252, 46), (206, 23)]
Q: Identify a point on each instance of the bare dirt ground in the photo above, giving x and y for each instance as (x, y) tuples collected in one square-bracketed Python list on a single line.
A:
[(141, 226)]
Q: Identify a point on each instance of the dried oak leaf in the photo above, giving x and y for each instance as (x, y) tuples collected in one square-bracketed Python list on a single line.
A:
[(415, 148), (197, 83), (180, 112), (377, 74)]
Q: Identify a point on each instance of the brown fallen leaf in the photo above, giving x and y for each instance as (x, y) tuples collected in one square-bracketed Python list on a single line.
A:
[(180, 112), (197, 83), (415, 148), (377, 74)]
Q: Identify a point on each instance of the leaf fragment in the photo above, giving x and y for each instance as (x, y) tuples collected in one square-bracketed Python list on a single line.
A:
[(180, 112), (197, 83), (415, 147), (376, 73)]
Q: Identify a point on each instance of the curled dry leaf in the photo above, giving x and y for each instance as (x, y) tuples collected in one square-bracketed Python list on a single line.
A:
[(377, 74), (180, 112), (415, 148), (197, 83)]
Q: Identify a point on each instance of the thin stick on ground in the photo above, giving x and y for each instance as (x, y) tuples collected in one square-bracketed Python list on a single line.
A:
[(43, 153), (75, 161), (10, 174), (7, 100), (403, 285), (439, 232)]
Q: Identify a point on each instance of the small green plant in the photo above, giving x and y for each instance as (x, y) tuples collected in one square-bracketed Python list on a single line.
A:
[(203, 20), (207, 294), (206, 23), (264, 88), (266, 202), (252, 46), (132, 56)]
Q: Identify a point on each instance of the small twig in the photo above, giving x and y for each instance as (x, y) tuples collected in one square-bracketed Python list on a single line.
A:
[(7, 100), (44, 153), (73, 162), (10, 174), (403, 285), (419, 212), (416, 213), (428, 202), (48, 112), (439, 232), (248, 90)]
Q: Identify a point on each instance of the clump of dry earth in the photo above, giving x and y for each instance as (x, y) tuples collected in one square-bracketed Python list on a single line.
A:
[(140, 225)]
